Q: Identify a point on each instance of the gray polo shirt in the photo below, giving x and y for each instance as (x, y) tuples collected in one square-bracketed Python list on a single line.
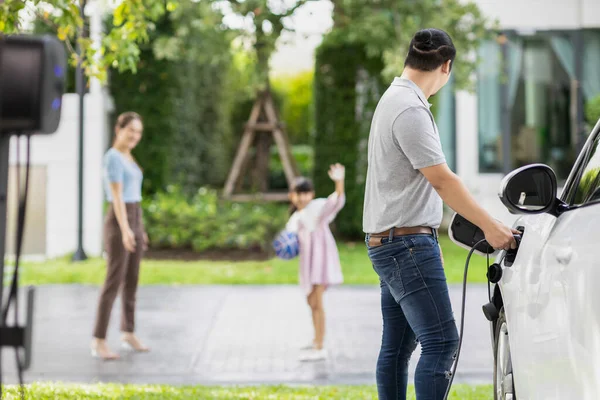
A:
[(403, 139)]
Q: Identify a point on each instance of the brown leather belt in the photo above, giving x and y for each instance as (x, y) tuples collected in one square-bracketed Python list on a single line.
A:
[(375, 238)]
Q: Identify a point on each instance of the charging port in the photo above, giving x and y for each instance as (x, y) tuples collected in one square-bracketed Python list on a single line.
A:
[(511, 254)]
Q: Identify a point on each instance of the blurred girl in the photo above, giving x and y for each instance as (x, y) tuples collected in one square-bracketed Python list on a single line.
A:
[(319, 258)]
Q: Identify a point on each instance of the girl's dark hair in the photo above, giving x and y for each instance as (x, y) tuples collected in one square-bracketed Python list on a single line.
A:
[(430, 48), (303, 185)]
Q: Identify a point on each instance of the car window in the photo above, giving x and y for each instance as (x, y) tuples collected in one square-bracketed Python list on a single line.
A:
[(588, 188)]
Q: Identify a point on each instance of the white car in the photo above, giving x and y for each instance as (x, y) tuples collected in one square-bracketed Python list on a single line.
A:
[(546, 324)]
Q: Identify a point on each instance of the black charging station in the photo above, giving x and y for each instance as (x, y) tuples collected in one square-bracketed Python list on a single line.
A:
[(32, 81)]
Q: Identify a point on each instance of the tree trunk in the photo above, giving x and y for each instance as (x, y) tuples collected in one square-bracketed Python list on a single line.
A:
[(261, 166)]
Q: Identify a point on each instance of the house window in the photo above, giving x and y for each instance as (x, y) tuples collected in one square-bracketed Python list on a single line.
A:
[(489, 106), (526, 89)]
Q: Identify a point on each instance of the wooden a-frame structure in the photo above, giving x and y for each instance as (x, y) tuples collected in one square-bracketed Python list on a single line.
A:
[(262, 127)]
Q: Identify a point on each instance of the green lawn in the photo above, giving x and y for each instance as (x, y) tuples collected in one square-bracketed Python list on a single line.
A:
[(57, 391), (355, 263)]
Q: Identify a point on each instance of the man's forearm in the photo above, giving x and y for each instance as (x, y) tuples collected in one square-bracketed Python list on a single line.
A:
[(456, 195)]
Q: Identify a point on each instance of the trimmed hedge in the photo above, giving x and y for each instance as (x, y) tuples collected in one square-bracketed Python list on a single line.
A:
[(204, 222), (342, 122)]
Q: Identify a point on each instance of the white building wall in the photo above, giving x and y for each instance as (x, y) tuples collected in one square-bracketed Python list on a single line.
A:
[(59, 153), (542, 14), (590, 15)]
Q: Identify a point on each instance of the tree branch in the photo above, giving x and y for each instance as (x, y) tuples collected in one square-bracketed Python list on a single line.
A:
[(41, 17)]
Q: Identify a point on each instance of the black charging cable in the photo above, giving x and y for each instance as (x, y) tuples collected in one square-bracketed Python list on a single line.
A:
[(464, 297), (462, 316), (13, 295)]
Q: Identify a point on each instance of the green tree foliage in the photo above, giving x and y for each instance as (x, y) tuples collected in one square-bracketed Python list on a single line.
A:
[(182, 90), (269, 19), (132, 24), (295, 95), (199, 50), (342, 123), (150, 92), (385, 28)]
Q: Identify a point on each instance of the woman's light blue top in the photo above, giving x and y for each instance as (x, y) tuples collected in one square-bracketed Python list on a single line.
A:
[(119, 169)]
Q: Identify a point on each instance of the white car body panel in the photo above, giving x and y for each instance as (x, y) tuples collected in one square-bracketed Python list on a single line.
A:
[(552, 304)]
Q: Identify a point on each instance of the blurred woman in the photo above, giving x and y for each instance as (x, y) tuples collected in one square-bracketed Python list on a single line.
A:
[(124, 236)]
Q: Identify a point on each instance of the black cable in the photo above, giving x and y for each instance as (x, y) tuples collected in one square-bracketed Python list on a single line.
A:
[(18, 360), (13, 295), (20, 230), (462, 317), (15, 277)]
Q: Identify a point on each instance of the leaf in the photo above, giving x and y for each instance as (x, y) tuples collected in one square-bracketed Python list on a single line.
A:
[(171, 6)]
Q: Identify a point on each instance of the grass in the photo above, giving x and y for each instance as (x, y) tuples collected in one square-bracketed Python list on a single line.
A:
[(58, 391), (355, 263)]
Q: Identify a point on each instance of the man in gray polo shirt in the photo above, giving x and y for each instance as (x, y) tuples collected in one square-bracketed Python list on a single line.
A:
[(407, 180)]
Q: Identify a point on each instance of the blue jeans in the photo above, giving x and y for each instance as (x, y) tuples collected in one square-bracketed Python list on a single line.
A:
[(415, 306)]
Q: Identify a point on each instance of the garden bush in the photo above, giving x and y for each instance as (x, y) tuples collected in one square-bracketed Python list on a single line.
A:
[(206, 222), (592, 110)]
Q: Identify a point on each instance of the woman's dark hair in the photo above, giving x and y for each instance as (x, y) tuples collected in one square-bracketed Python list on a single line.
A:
[(124, 119), (430, 48)]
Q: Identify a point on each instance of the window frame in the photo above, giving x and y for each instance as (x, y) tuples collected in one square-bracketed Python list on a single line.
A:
[(574, 179)]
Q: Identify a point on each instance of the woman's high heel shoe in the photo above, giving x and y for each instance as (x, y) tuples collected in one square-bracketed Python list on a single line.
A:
[(131, 343), (108, 355)]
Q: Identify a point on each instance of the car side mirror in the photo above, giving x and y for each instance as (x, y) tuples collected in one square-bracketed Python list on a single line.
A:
[(531, 189)]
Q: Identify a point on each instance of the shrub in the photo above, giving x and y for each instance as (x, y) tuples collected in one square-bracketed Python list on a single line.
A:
[(592, 110), (204, 221)]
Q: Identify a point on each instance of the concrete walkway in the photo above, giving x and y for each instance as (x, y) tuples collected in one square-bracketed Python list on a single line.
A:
[(230, 334)]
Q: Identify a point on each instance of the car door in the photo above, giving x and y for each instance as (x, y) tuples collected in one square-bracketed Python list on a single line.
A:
[(572, 254), (549, 293)]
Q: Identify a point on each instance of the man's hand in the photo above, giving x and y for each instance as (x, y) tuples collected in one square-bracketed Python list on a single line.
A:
[(499, 236)]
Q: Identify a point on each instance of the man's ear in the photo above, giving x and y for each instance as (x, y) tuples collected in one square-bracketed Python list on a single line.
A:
[(446, 67)]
